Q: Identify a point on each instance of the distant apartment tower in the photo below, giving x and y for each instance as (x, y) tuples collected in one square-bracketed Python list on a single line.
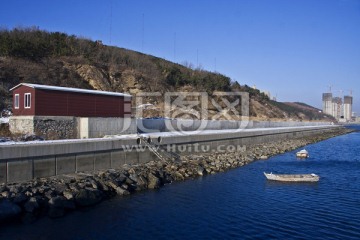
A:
[(327, 103), (348, 100), (337, 107)]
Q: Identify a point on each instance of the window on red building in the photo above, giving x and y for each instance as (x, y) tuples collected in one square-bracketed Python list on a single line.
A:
[(16, 101), (27, 103)]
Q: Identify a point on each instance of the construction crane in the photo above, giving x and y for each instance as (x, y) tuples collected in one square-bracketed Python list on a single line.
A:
[(350, 91), (330, 86)]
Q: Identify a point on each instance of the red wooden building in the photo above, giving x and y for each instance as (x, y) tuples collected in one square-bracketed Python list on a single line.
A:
[(43, 100)]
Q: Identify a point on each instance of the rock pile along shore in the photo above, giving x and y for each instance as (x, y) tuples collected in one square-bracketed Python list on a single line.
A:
[(54, 196)]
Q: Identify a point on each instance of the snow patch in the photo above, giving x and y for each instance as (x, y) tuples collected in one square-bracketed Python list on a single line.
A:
[(4, 120)]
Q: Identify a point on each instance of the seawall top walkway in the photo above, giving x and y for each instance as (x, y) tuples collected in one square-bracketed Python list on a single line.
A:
[(16, 150)]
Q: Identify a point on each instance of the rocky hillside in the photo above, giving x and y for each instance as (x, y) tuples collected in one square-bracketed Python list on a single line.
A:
[(298, 110), (53, 58)]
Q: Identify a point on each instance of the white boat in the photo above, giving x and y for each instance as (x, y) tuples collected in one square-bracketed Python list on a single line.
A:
[(292, 177), (302, 154)]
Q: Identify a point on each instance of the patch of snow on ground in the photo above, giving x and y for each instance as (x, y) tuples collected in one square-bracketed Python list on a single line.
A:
[(4, 120)]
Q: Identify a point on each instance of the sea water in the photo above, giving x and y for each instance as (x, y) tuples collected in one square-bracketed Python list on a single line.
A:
[(237, 204)]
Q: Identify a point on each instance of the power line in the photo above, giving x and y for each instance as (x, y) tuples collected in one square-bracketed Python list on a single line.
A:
[(175, 47), (197, 58), (110, 21), (142, 37), (215, 66)]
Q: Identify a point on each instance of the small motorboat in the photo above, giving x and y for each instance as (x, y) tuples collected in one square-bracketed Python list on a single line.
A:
[(302, 154), (292, 177)]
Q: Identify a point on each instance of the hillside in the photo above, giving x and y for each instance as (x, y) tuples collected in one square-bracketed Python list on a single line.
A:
[(52, 58), (298, 110)]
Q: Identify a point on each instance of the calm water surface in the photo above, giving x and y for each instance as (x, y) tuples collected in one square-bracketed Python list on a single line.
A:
[(237, 204)]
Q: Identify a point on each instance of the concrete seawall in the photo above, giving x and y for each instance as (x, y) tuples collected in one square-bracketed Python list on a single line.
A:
[(56, 127), (168, 125), (21, 162)]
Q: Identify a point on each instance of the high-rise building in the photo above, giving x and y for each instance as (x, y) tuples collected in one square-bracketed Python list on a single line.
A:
[(327, 103), (337, 107), (348, 100)]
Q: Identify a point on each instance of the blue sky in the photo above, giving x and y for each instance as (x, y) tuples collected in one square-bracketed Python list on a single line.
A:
[(293, 48)]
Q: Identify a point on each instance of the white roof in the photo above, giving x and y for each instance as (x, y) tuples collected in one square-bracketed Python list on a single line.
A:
[(67, 89)]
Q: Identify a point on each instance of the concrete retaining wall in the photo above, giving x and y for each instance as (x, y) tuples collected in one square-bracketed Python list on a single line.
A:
[(49, 127), (57, 127), (168, 125), (24, 124), (100, 127), (54, 127), (21, 162)]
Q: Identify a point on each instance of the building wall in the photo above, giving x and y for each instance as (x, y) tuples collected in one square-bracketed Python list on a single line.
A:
[(327, 107), (61, 103), (348, 100), (347, 111), (327, 103), (58, 103), (22, 111), (337, 107)]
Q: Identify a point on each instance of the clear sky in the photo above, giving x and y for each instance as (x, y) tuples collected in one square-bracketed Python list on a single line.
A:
[(293, 48)]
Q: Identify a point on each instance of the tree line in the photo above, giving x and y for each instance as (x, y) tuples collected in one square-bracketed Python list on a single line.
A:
[(36, 45)]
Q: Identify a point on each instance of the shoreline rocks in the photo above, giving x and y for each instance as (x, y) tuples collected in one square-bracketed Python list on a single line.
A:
[(55, 196)]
